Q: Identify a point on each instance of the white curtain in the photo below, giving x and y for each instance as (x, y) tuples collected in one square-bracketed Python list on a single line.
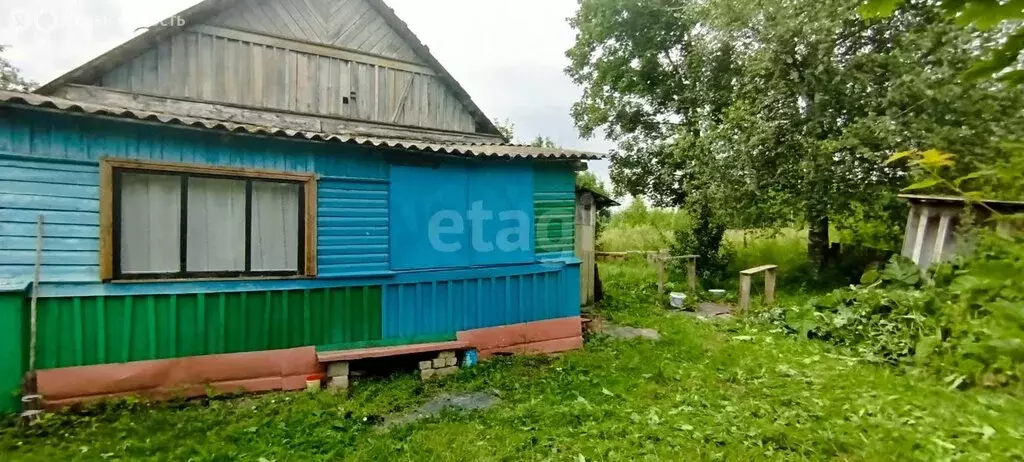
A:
[(216, 225), (275, 226), (150, 223)]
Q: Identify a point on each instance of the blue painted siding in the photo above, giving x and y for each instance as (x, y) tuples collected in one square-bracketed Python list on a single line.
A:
[(49, 164), (447, 306), (506, 191), (67, 196), (352, 227), (417, 195)]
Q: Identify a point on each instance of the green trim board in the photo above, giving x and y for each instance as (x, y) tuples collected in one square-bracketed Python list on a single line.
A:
[(390, 342), (554, 203), (80, 331), (14, 315)]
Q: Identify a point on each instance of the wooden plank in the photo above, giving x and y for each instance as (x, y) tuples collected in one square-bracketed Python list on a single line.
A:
[(384, 352), (744, 292), (311, 226), (400, 105), (758, 269), (922, 228), (314, 48), (769, 287), (203, 169), (106, 221), (691, 274), (945, 222)]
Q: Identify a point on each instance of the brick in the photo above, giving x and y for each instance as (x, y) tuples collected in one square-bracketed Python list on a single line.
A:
[(447, 354), (338, 369), (427, 374), (451, 361), (439, 363), (338, 383), (424, 365)]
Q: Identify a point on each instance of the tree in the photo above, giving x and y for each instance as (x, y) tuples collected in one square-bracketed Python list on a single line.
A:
[(1004, 53), (543, 142), (590, 181), (778, 111), (10, 77), (507, 128)]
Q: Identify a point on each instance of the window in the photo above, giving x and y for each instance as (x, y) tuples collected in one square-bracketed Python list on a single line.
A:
[(166, 221)]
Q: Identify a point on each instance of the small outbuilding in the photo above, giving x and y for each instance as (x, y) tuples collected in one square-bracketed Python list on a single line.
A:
[(933, 222), (588, 203)]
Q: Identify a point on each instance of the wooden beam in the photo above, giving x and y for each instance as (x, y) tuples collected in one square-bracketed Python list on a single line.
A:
[(106, 221), (769, 287), (691, 274), (401, 101), (744, 292), (922, 227), (945, 225), (312, 48)]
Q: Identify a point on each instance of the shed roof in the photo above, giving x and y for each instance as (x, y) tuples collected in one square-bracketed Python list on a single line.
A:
[(11, 98), (956, 200), (208, 8), (600, 198)]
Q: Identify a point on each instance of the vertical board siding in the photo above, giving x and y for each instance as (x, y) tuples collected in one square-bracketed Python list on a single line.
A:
[(352, 229), (49, 165), (82, 331), (554, 208), (203, 66), (351, 24), (445, 307)]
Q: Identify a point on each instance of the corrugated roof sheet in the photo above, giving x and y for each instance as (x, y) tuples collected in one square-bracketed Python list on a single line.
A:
[(478, 150)]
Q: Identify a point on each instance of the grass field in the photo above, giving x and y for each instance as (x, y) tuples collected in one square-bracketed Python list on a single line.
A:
[(716, 391)]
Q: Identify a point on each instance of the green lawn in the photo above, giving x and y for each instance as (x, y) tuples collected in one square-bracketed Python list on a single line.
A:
[(732, 391)]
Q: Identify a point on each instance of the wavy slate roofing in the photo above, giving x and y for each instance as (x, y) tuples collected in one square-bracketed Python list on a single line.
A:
[(11, 98)]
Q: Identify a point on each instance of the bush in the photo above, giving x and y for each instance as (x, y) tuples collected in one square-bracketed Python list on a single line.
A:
[(964, 321)]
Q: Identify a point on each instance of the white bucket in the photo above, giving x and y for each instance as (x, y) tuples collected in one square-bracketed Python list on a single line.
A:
[(677, 299)]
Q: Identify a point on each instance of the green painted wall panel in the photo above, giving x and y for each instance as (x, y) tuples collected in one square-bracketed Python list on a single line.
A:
[(98, 330), (14, 313), (554, 202)]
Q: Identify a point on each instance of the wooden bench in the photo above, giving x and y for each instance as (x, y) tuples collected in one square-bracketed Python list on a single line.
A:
[(769, 285), (338, 361)]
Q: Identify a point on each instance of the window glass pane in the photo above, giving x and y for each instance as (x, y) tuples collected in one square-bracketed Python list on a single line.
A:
[(275, 226), (216, 225), (150, 223)]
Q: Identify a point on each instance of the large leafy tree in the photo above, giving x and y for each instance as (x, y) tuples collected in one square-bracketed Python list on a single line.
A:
[(10, 77), (779, 111)]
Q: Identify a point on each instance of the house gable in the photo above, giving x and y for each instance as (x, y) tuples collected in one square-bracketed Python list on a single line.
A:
[(351, 24), (351, 59)]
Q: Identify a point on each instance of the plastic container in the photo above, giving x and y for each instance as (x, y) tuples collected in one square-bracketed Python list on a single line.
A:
[(717, 293), (313, 382), (677, 299), (469, 358)]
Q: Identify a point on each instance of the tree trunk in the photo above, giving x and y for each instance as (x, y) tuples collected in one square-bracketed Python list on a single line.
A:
[(817, 238)]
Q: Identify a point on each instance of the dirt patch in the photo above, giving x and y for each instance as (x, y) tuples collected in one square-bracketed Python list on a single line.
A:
[(462, 403), (629, 333)]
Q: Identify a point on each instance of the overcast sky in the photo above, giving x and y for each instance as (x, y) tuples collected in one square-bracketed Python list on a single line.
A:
[(508, 54)]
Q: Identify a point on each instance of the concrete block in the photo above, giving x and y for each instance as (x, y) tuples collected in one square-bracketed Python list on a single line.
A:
[(424, 365), (447, 371), (451, 361), (427, 374), (447, 354), (439, 363), (338, 369), (338, 383)]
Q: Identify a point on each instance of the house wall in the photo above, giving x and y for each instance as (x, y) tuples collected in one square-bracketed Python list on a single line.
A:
[(284, 55), (49, 166)]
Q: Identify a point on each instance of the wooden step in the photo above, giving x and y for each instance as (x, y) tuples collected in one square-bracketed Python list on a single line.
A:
[(384, 352)]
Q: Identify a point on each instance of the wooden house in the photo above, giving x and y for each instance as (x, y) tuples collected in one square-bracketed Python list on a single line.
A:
[(256, 185)]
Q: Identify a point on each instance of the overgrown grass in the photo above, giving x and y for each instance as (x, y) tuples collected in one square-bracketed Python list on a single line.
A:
[(730, 391)]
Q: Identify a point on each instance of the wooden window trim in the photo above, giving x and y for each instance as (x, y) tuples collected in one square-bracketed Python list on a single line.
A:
[(107, 213)]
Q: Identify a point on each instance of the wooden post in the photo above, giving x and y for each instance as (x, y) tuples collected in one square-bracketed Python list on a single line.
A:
[(744, 292), (661, 274), (691, 274), (769, 287)]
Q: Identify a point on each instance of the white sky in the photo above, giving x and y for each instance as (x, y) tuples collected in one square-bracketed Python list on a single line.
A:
[(508, 54)]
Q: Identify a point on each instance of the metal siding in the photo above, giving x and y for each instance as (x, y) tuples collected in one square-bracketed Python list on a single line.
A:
[(347, 242), (49, 165), (13, 349), (554, 208), (81, 331), (445, 307)]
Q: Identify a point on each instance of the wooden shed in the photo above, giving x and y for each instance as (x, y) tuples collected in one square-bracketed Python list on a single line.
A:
[(934, 220), (223, 200), (588, 203)]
